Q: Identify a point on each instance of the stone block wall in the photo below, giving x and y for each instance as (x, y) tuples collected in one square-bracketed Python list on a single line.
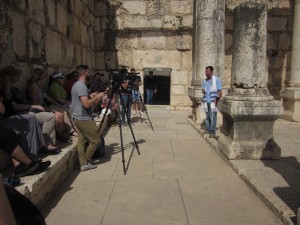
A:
[(55, 34), (279, 39), (143, 34), (106, 33)]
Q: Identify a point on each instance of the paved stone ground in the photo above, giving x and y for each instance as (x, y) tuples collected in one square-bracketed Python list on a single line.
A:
[(177, 179)]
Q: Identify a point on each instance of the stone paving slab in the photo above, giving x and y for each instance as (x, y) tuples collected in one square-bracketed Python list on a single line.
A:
[(276, 182), (177, 179)]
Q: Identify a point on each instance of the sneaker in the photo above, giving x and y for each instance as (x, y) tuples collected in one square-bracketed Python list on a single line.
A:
[(23, 170), (134, 112), (43, 166), (87, 167), (206, 132), (142, 112)]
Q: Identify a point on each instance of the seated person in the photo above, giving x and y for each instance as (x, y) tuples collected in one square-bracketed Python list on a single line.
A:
[(71, 80), (28, 124), (59, 95), (9, 143), (57, 91), (17, 209), (38, 96)]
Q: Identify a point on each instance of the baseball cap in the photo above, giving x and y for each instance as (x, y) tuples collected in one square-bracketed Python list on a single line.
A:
[(57, 75)]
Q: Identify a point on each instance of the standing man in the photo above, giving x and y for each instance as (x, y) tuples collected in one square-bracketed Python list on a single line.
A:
[(82, 104), (151, 87), (212, 90)]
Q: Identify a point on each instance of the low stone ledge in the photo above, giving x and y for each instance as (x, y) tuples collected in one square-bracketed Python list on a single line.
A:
[(39, 188), (278, 207)]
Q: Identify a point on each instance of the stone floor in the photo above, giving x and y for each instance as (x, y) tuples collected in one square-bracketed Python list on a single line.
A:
[(177, 179)]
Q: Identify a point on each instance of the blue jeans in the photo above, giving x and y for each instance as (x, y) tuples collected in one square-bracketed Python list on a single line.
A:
[(149, 96), (211, 120), (127, 103)]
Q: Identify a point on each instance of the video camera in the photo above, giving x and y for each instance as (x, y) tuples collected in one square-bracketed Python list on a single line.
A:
[(122, 75)]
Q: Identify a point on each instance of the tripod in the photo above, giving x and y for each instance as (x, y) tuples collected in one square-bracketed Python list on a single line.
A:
[(145, 110), (116, 90)]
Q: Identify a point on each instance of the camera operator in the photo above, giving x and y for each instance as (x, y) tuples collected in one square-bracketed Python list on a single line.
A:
[(126, 97), (82, 103), (136, 95)]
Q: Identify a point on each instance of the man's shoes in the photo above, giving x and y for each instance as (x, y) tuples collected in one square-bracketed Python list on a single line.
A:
[(87, 167), (212, 135), (124, 124), (206, 132), (43, 166), (23, 170)]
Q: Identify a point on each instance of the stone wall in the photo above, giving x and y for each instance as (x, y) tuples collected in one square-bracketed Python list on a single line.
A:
[(106, 33), (143, 34), (279, 39), (55, 34), (158, 33)]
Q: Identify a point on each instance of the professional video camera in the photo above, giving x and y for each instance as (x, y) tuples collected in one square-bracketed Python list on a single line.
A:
[(122, 75)]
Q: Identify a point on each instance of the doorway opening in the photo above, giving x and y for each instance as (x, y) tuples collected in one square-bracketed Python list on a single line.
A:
[(162, 78)]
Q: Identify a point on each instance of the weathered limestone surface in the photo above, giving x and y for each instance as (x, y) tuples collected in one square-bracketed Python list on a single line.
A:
[(249, 47), (291, 95), (209, 16), (248, 110), (19, 35), (247, 129), (46, 33), (24, 27)]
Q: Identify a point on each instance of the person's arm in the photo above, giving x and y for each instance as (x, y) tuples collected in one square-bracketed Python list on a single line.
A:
[(23, 107), (62, 101), (33, 94), (47, 97), (89, 102), (219, 96)]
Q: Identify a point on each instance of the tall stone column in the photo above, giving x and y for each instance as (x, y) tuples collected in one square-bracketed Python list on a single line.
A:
[(291, 95), (248, 110), (208, 46)]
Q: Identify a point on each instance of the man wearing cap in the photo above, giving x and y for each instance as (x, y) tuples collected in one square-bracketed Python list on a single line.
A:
[(82, 103), (56, 90)]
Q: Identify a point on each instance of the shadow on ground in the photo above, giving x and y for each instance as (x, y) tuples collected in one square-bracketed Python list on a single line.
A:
[(289, 169)]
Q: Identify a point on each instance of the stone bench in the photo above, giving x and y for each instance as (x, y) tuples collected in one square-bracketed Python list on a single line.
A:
[(38, 188)]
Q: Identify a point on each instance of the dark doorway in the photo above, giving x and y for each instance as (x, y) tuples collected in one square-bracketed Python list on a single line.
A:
[(163, 80)]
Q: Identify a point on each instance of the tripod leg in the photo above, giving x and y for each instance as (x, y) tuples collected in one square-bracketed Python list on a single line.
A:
[(120, 128), (146, 111), (129, 123)]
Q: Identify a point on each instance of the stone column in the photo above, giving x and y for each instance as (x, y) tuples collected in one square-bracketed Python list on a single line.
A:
[(208, 46), (248, 110), (291, 95)]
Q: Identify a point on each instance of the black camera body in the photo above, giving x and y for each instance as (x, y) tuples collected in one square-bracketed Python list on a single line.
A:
[(122, 75)]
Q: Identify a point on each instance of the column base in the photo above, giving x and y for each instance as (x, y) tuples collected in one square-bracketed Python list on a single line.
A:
[(291, 104), (195, 94), (247, 129)]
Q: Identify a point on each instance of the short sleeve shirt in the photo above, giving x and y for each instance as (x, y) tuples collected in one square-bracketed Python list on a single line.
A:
[(56, 91), (206, 87), (79, 111)]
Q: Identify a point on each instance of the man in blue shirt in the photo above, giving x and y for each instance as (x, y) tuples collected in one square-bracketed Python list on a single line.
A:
[(212, 90)]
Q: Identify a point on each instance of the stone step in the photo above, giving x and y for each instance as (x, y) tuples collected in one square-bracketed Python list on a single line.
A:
[(39, 188)]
